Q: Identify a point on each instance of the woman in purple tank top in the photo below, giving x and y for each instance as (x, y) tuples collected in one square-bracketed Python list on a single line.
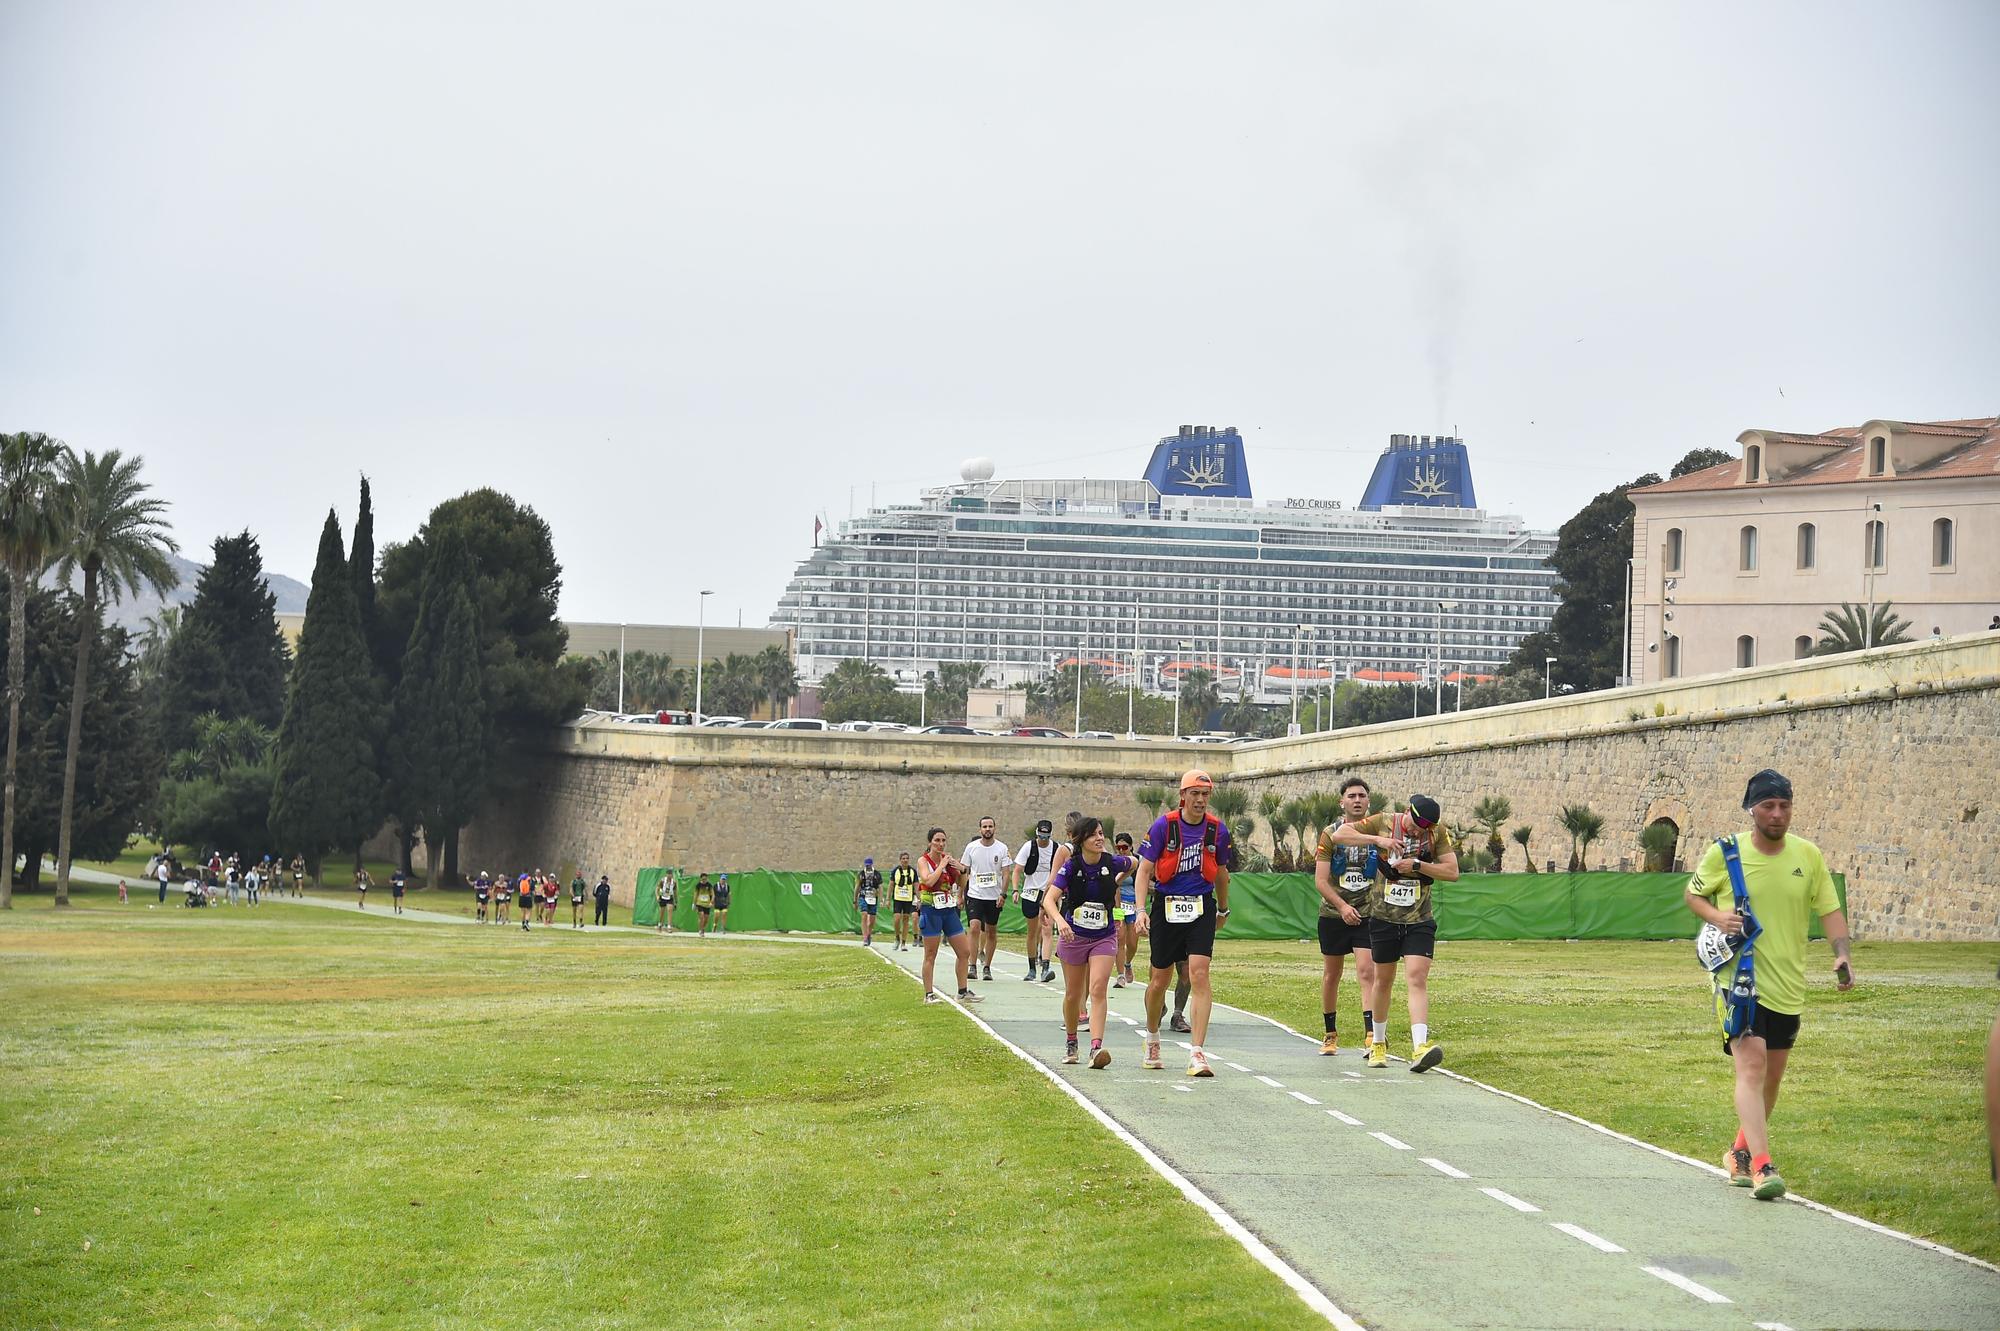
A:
[(1082, 900)]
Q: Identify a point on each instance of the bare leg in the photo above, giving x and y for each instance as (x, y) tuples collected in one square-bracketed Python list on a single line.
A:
[(1753, 1074), (930, 960), (1385, 982), (961, 947), (1100, 981), (1201, 1001), (1076, 983), (1417, 989)]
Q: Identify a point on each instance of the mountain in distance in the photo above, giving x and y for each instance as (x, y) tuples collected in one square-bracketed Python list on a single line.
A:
[(133, 612)]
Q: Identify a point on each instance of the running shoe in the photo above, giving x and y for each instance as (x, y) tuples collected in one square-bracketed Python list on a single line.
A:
[(967, 996), (1737, 1164), (1180, 1023), (1100, 1057), (1151, 1060), (989, 974), (1330, 1045), (1118, 981), (1769, 1186), (1378, 1055), (933, 997), (1030, 977), (1198, 1064), (1069, 1049), (1367, 1042), (1048, 972), (1425, 1057)]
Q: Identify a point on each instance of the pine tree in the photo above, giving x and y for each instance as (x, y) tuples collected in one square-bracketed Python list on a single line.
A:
[(381, 670), (440, 738), (229, 656), (328, 793)]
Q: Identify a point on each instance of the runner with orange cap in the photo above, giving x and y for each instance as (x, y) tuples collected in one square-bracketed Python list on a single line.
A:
[(1182, 895)]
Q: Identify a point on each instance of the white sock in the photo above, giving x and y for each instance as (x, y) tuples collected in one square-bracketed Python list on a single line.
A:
[(1381, 1031), (1420, 1031)]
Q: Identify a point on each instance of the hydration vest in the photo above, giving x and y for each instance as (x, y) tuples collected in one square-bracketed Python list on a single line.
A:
[(1169, 862)]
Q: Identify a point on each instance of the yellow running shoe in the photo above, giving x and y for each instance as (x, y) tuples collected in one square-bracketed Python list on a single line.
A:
[(1738, 1164), (1425, 1057), (1330, 1045), (1378, 1055)]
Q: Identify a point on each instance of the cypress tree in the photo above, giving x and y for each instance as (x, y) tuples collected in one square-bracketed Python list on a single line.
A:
[(361, 561), (440, 737), (328, 793), (229, 657)]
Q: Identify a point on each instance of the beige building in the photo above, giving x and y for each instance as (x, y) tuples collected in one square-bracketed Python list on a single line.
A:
[(1733, 566)]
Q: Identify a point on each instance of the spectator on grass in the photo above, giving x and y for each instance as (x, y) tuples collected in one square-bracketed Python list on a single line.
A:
[(163, 871), (252, 880), (121, 891), (666, 892), (231, 877), (722, 904), (601, 894)]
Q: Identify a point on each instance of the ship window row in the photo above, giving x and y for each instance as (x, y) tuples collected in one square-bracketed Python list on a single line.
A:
[(1177, 576)]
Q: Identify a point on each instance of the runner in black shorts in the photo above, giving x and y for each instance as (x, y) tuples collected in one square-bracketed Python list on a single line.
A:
[(1416, 850), (1345, 877), (1182, 893), (903, 899), (482, 892)]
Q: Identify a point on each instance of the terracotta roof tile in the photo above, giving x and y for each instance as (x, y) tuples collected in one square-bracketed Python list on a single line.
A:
[(1980, 456)]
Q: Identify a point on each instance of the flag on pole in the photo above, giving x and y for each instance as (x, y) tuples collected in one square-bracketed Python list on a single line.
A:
[(816, 531)]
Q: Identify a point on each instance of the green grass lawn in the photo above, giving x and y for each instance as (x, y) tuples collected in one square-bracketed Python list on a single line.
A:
[(305, 1118), (1881, 1113)]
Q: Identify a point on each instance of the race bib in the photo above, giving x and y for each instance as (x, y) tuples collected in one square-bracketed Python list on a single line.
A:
[(986, 882), (1354, 881), (943, 899), (904, 893), (1403, 892), (1031, 894), (1183, 910), (867, 898), (1090, 916)]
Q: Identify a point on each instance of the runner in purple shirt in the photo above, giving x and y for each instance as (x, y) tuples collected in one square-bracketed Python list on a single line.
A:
[(1083, 902)]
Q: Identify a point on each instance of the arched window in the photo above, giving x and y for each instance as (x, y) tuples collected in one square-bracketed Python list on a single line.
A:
[(1675, 549), (1746, 651), (1673, 657), (1746, 550), (1878, 456), (1753, 463), (1802, 647), (1944, 540), (1874, 543), (1808, 545)]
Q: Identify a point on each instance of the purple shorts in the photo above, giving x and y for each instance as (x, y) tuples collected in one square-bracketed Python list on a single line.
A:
[(1078, 949)]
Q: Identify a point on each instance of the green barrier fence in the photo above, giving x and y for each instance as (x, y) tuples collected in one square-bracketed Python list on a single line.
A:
[(1264, 905)]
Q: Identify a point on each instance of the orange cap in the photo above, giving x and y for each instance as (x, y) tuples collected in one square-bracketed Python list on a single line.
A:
[(1196, 779)]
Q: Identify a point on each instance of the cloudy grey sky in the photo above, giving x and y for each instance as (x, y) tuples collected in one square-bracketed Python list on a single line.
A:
[(682, 275)]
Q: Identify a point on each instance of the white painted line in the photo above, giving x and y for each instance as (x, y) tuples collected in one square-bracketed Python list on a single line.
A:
[(1387, 1140), (1508, 1199), (1345, 1073), (1272, 1082), (1184, 1044), (1185, 1090), (1443, 1168), (1348, 1119), (1308, 1292), (1771, 1326), (1302, 1097), (1679, 1281), (1128, 1021), (1578, 1232), (1238, 1066)]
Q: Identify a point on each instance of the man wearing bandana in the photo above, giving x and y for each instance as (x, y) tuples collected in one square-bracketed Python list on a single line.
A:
[(1787, 883), (1416, 852)]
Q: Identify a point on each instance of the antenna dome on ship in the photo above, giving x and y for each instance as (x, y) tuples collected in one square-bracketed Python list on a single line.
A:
[(976, 469)]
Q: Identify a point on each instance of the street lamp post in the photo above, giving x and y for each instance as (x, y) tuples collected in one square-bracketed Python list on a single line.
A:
[(1443, 606), (1297, 629), (1182, 648), (700, 627), (1079, 690), (1547, 663), (1132, 680), (621, 670)]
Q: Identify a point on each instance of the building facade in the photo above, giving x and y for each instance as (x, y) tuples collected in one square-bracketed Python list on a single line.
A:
[(1734, 566), (1147, 579)]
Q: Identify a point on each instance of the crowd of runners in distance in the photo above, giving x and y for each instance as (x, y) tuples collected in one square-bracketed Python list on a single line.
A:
[(1090, 899), (711, 903), (221, 879), (496, 896)]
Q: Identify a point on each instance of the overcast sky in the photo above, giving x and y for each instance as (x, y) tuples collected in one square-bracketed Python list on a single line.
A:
[(681, 276)]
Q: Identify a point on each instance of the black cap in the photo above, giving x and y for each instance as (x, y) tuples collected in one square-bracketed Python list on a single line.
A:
[(1044, 826), (1426, 810), (1767, 784)]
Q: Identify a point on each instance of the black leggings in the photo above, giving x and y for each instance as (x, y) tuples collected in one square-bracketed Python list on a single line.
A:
[(603, 909)]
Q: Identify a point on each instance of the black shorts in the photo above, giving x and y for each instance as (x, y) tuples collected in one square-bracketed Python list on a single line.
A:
[(1389, 941), (1337, 937), (1030, 909), (1175, 943), (1780, 1030), (905, 907), (980, 911)]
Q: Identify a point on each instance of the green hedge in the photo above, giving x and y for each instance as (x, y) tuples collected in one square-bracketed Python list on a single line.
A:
[(1266, 905)]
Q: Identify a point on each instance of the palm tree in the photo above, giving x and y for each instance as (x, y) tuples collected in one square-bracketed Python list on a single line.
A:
[(31, 530), (246, 742), (1849, 628), (1280, 824), (1299, 820), (1199, 695), (779, 677), (212, 742), (1659, 841), (1583, 827), (1230, 803), (1152, 799), (163, 628), (1377, 801), (1489, 813), (1521, 835)]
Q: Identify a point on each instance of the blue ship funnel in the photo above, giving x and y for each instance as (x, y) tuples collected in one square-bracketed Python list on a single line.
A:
[(1200, 460), (1422, 471)]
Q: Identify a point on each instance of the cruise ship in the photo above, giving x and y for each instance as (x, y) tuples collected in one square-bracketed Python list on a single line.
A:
[(1181, 569)]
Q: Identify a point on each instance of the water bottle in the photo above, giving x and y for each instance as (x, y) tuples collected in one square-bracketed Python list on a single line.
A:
[(1338, 861), (1374, 861)]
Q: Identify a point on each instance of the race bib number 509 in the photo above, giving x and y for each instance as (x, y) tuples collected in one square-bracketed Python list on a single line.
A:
[(1183, 910)]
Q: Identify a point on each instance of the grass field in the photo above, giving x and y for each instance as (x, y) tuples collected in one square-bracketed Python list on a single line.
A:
[(1881, 1113), (307, 1118)]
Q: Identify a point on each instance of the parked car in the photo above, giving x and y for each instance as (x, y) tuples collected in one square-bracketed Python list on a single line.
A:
[(722, 721), (1096, 734), (947, 730), (637, 719), (895, 727), (1209, 739), (1038, 732), (749, 725), (674, 718), (800, 723), (855, 727)]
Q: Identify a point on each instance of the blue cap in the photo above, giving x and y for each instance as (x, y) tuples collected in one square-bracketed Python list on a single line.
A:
[(868, 863)]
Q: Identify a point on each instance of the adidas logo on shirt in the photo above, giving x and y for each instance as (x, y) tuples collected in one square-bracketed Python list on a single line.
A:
[(1798, 873)]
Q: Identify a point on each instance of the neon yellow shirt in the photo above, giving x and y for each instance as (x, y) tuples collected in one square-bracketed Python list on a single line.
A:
[(1786, 891)]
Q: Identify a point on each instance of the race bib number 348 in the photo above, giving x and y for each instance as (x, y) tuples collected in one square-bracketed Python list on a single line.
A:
[(1090, 916)]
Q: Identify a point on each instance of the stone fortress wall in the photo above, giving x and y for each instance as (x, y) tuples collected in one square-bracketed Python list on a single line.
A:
[(1895, 755)]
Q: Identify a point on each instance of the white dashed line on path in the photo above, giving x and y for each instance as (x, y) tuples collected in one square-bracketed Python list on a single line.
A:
[(1187, 1090), (1348, 1119), (1679, 1281), (1238, 1066), (1271, 1082), (1578, 1232), (1387, 1140), (1509, 1199), (1345, 1073), (1441, 1167), (1302, 1097), (1771, 1326)]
